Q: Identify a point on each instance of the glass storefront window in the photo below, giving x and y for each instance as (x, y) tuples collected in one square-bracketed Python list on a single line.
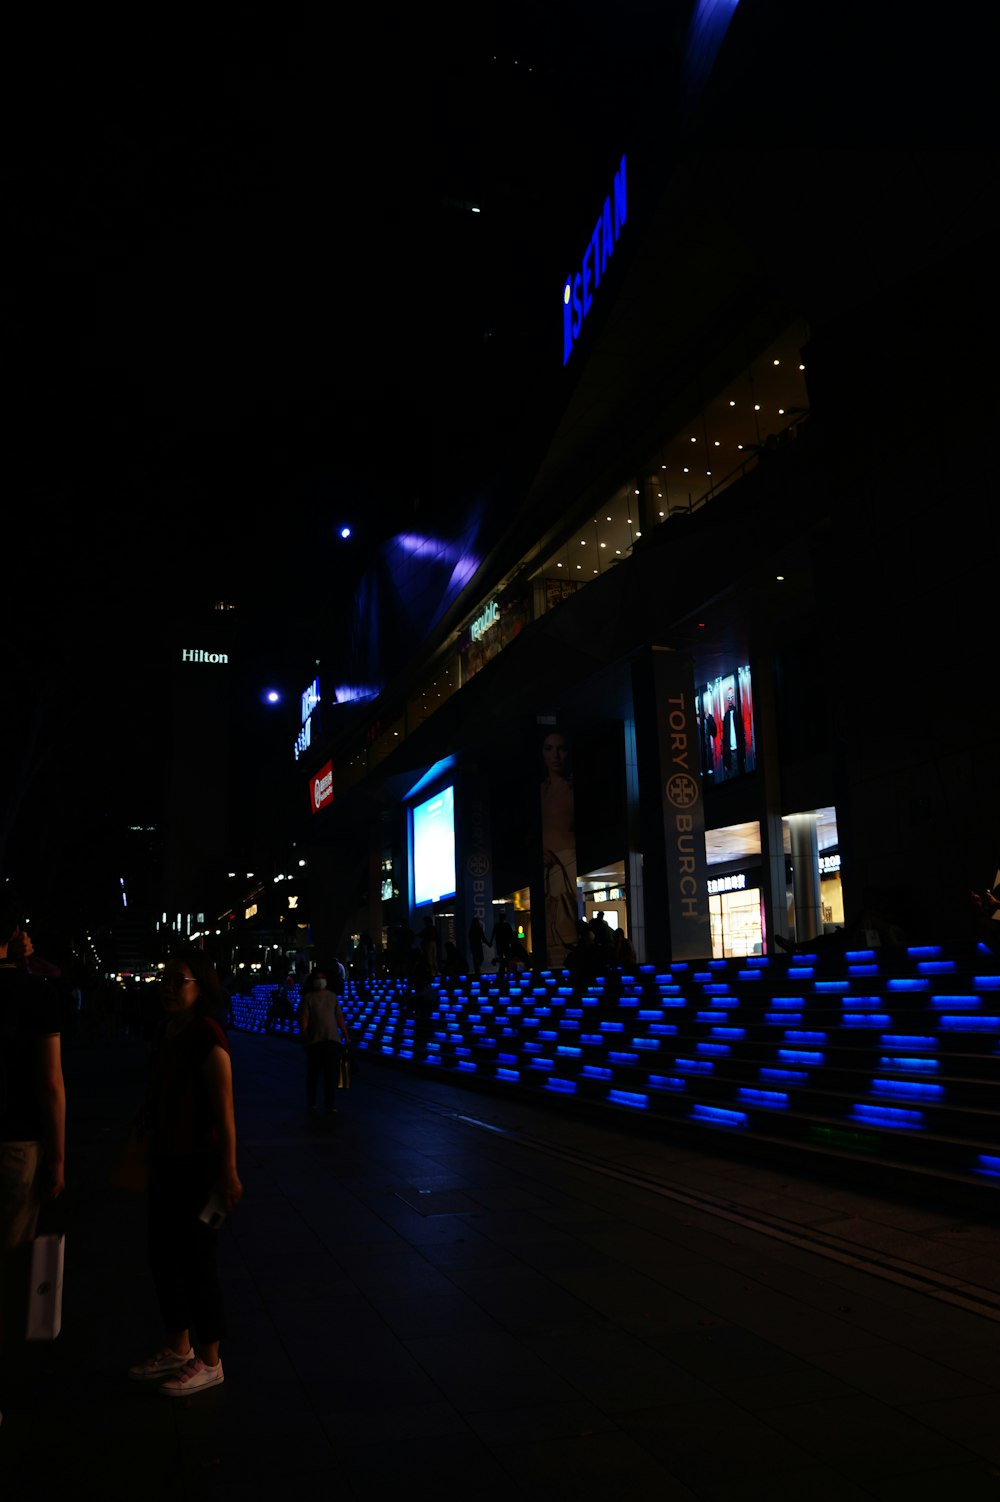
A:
[(737, 925)]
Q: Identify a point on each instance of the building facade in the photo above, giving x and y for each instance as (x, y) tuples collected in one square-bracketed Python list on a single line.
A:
[(691, 656)]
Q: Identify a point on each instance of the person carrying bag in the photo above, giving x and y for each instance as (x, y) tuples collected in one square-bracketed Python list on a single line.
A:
[(32, 1127)]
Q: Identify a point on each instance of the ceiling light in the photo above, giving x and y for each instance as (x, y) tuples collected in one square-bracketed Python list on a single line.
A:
[(775, 362)]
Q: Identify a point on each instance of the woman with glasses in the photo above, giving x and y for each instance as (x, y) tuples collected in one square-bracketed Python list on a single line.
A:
[(193, 1178)]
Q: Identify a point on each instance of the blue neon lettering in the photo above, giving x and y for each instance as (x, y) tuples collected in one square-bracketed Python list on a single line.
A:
[(577, 299), (619, 192), (599, 260)]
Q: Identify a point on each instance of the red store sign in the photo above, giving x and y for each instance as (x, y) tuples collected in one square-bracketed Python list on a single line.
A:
[(321, 787)]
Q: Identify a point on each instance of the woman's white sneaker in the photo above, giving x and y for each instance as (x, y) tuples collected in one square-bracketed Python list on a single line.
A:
[(160, 1365), (192, 1378)]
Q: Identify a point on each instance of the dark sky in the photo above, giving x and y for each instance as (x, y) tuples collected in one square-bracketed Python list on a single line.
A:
[(243, 269)]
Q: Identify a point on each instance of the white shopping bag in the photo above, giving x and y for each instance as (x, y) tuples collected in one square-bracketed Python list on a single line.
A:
[(46, 1286)]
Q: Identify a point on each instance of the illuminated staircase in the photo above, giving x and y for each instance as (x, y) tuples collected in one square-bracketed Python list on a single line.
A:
[(886, 1058)]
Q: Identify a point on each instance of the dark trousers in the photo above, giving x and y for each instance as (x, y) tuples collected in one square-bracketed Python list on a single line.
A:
[(322, 1063), (183, 1250)]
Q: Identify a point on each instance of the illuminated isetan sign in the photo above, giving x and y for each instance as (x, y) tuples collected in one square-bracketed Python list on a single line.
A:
[(579, 288)]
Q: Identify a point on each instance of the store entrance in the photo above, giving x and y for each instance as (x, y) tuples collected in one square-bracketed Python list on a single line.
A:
[(603, 891), (517, 907)]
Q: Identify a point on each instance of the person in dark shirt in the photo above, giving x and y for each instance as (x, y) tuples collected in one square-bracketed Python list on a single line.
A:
[(32, 1119), (502, 940), (193, 1178)]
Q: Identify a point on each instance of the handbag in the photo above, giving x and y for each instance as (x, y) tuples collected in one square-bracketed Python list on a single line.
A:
[(45, 1288), (131, 1168)]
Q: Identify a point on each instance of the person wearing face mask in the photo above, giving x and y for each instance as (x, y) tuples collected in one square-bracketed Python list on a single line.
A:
[(321, 1027)]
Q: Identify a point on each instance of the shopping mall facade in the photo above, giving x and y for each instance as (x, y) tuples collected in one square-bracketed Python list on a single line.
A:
[(709, 652)]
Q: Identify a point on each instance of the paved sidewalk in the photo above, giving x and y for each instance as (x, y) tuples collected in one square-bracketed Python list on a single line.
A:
[(443, 1290)]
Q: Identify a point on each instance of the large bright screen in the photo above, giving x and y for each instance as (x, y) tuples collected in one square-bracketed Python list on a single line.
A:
[(434, 848)]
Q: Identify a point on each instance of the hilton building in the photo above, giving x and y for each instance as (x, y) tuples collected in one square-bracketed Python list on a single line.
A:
[(710, 651)]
